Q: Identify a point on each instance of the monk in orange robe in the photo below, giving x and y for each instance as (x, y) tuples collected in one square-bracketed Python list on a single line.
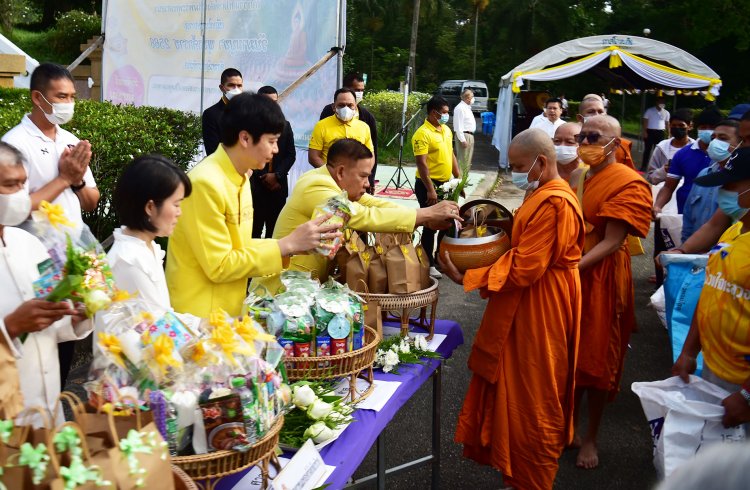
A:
[(518, 412), (592, 105), (616, 202)]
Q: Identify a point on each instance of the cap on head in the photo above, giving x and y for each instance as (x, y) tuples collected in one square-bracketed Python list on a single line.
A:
[(736, 169), (738, 111)]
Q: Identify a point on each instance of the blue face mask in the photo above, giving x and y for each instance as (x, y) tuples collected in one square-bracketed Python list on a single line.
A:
[(444, 118), (729, 205), (705, 135), (718, 150), (521, 179)]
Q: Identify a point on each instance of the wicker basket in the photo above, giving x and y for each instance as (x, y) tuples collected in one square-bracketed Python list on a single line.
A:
[(207, 469), (355, 364), (473, 253), (181, 480), (403, 304)]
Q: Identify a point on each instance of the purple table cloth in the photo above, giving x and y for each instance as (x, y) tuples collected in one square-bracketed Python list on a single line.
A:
[(348, 451)]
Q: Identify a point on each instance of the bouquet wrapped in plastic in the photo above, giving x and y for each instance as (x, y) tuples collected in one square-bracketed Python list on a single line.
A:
[(339, 206), (77, 269)]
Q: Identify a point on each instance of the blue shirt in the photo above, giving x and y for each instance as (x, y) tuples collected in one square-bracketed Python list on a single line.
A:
[(686, 164), (700, 205)]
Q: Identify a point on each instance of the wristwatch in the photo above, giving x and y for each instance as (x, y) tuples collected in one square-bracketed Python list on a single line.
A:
[(78, 187), (746, 395)]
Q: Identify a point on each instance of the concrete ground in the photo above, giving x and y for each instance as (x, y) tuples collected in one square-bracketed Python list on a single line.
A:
[(625, 441)]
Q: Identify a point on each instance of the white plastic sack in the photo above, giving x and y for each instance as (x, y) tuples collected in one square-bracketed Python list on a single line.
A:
[(659, 303), (670, 226), (671, 206), (685, 418)]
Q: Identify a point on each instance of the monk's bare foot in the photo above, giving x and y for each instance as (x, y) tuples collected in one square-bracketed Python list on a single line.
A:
[(588, 456), (576, 443)]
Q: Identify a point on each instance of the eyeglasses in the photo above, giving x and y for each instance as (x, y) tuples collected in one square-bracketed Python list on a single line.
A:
[(591, 137)]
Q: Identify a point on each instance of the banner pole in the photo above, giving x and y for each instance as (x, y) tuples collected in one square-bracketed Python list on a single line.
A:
[(203, 52)]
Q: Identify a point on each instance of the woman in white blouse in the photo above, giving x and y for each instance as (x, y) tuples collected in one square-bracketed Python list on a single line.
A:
[(147, 200)]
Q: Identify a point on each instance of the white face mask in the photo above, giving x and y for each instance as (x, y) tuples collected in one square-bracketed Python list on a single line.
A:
[(62, 112), (345, 113), (14, 208), (566, 154), (470, 101), (232, 93), (358, 96), (661, 106)]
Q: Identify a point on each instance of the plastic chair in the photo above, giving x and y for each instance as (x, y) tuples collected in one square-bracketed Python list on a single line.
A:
[(488, 122)]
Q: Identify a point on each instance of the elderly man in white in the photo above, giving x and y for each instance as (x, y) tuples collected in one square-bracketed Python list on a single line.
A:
[(464, 126), (30, 329)]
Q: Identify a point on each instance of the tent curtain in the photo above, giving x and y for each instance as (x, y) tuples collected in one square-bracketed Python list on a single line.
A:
[(659, 74)]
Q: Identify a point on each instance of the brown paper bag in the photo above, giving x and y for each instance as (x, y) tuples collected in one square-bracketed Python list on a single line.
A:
[(11, 399), (402, 263), (57, 460), (20, 477), (377, 275), (358, 261), (373, 312), (95, 422), (157, 465)]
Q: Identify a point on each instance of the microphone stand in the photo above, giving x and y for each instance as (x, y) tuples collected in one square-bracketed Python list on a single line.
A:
[(396, 177)]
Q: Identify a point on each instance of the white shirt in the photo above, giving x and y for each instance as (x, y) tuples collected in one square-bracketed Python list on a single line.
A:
[(546, 125), (663, 152), (657, 119), (36, 357), (463, 120), (42, 158), (136, 268)]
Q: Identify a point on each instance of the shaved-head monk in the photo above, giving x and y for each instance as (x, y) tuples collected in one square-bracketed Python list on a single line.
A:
[(517, 415), (616, 202), (566, 150), (592, 105)]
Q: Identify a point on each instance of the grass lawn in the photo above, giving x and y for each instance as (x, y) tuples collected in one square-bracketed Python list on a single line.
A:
[(35, 44)]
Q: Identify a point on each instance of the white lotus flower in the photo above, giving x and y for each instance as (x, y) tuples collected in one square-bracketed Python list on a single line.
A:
[(420, 342), (303, 396), (404, 347), (319, 409), (319, 432), (97, 300)]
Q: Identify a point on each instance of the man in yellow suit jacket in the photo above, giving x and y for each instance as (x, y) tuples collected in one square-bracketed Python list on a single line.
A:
[(348, 168), (211, 254)]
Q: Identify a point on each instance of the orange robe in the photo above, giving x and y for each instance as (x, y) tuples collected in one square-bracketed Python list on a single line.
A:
[(517, 415), (623, 153), (608, 317)]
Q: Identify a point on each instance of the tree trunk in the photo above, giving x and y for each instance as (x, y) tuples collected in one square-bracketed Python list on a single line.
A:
[(476, 30), (413, 45)]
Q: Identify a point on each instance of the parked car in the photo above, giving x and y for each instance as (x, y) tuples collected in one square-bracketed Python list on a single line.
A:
[(451, 91)]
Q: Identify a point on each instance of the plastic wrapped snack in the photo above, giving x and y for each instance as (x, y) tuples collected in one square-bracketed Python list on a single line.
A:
[(339, 206)]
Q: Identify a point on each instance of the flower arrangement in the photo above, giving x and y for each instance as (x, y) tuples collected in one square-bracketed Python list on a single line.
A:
[(452, 190), (316, 413), (403, 350)]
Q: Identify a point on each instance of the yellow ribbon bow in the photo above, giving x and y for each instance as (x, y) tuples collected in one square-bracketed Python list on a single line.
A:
[(55, 214), (218, 318), (223, 336), (250, 334), (164, 353), (111, 344)]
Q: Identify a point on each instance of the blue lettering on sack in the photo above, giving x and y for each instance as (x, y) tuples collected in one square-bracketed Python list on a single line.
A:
[(656, 426)]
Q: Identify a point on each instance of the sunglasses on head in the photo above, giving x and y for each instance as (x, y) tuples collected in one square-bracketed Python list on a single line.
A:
[(591, 137)]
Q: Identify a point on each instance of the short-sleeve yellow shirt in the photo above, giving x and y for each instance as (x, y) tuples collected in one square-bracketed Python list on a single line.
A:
[(437, 144), (331, 129)]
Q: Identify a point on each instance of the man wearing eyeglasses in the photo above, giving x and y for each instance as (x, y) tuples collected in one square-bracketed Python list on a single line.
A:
[(616, 202)]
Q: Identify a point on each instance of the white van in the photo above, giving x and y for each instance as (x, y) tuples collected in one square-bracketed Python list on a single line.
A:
[(451, 91)]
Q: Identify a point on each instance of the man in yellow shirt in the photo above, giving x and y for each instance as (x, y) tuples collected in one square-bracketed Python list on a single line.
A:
[(343, 124), (348, 168), (211, 254), (720, 325), (436, 164)]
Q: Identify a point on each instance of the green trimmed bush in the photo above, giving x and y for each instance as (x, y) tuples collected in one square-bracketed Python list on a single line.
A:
[(386, 106), (117, 134), (73, 29)]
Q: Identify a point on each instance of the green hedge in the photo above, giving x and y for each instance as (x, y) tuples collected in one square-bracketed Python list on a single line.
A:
[(73, 29), (386, 106), (117, 135)]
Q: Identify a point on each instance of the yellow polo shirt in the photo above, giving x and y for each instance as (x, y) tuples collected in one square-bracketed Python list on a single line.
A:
[(368, 214), (437, 144), (331, 129), (211, 253), (723, 313)]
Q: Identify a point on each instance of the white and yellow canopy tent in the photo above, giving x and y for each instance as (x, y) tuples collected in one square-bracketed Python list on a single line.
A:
[(625, 62)]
